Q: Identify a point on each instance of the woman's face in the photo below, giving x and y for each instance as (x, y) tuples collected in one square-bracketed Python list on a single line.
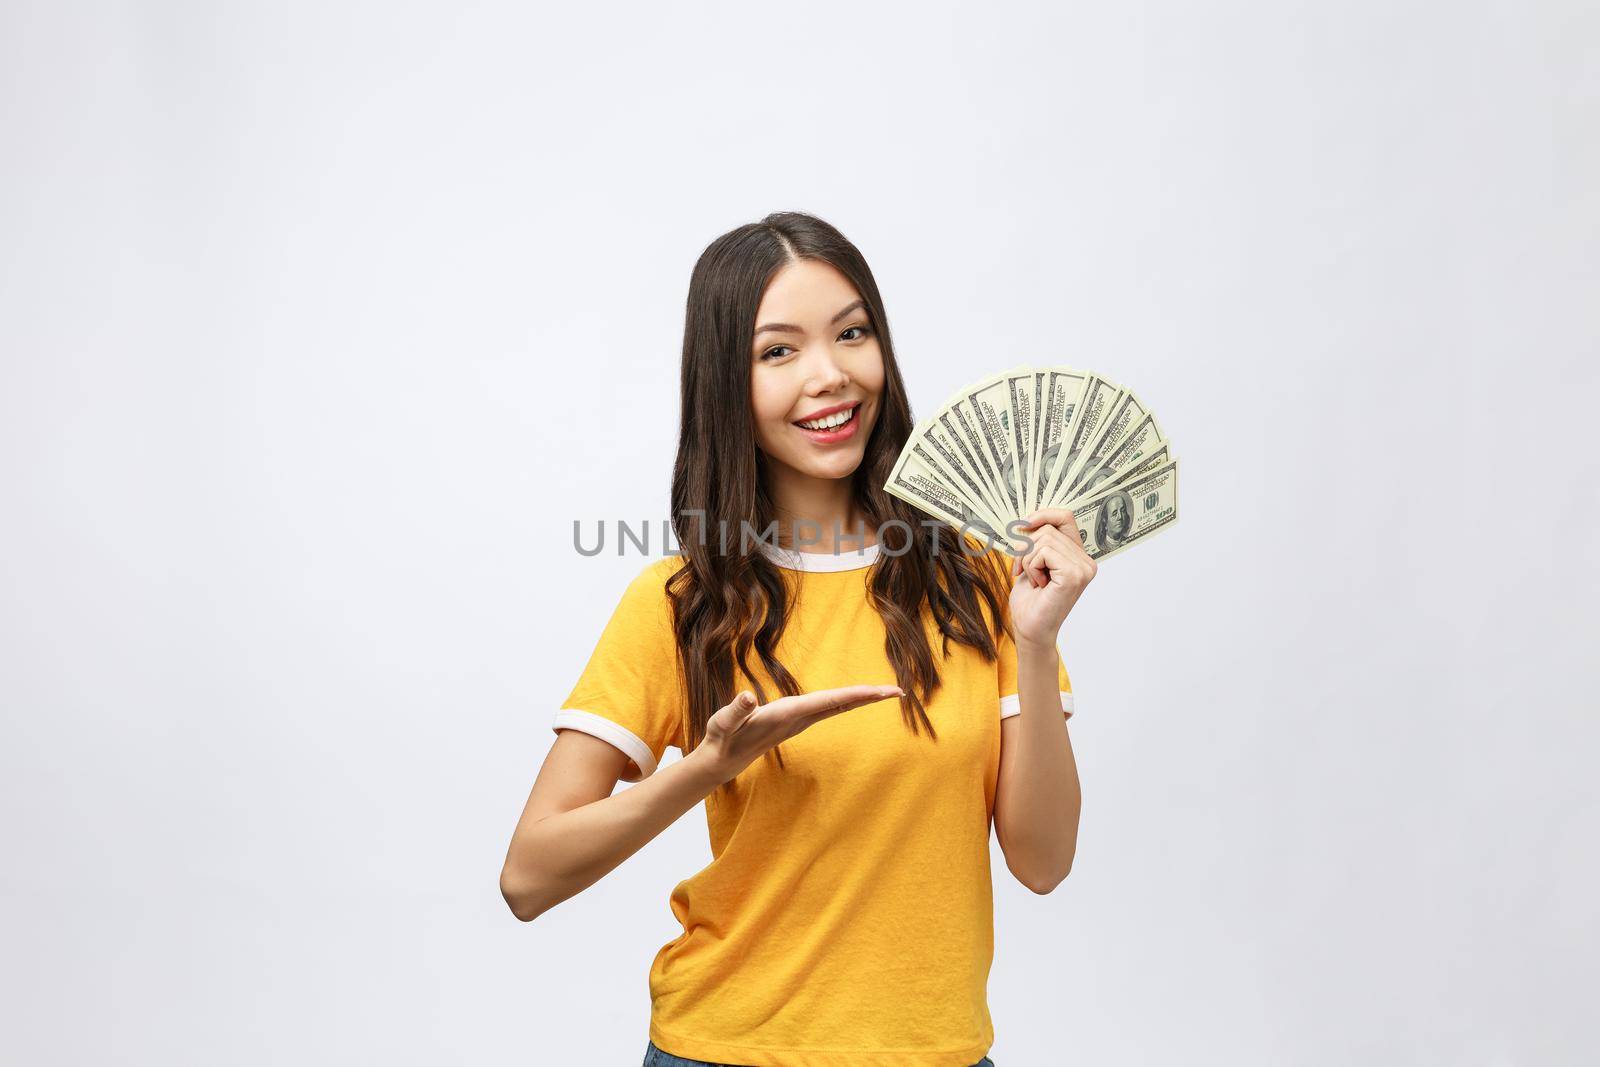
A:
[(815, 355)]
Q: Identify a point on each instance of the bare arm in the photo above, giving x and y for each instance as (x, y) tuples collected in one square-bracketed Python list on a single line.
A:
[(1038, 799), (573, 831)]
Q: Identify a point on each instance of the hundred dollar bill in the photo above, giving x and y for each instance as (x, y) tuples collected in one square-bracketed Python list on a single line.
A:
[(912, 483), (952, 455), (1023, 388), (1149, 461), (970, 422), (1099, 396), (1028, 386), (1122, 516), (989, 402), (1114, 429), (956, 424), (1062, 387), (956, 482), (1143, 440)]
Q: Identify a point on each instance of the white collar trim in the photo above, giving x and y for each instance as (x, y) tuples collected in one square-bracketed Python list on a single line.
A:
[(850, 560)]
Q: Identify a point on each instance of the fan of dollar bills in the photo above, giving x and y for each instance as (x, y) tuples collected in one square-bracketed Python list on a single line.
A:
[(1035, 437)]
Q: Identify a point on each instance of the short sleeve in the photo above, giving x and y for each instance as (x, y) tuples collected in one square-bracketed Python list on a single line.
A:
[(630, 694), (1010, 702)]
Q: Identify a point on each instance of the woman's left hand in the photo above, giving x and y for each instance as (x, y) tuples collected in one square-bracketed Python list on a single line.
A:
[(1049, 577)]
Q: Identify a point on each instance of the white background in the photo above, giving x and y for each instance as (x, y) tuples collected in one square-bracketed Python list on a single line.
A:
[(322, 322)]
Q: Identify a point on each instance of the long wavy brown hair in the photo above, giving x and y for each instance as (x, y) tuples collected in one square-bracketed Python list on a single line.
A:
[(730, 605)]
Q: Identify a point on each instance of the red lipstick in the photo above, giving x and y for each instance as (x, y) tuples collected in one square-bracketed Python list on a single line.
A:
[(834, 434)]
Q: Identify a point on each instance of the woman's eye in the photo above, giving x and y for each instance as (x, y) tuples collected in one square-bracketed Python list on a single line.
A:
[(779, 351)]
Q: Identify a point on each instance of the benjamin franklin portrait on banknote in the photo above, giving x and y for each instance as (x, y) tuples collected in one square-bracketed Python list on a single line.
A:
[(1114, 522)]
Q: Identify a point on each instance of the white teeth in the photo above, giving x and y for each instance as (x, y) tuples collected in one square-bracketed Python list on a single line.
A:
[(828, 422)]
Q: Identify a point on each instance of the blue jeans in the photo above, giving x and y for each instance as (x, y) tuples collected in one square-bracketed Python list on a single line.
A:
[(654, 1057)]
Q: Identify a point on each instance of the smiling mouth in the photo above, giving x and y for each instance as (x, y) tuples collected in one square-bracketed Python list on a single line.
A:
[(831, 422)]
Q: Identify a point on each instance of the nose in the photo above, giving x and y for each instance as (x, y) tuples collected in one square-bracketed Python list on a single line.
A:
[(825, 375)]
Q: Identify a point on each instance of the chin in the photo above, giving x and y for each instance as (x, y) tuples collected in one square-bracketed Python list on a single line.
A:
[(834, 467), (838, 467)]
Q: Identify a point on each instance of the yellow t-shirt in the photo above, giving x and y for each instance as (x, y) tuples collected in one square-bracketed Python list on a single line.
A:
[(846, 918)]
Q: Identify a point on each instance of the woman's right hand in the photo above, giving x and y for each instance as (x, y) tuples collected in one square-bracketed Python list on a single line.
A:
[(741, 731)]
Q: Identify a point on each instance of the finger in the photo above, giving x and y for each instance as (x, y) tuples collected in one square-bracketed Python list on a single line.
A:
[(1024, 572), (741, 707), (1066, 537), (825, 702), (1056, 555), (1061, 517), (1033, 565), (1048, 534), (1042, 563)]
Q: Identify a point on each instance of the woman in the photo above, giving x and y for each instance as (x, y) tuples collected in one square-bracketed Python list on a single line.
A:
[(857, 698)]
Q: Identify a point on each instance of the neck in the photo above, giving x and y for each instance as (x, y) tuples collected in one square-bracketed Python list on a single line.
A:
[(821, 511)]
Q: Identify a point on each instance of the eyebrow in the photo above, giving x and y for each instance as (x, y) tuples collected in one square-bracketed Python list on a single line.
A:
[(784, 327)]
